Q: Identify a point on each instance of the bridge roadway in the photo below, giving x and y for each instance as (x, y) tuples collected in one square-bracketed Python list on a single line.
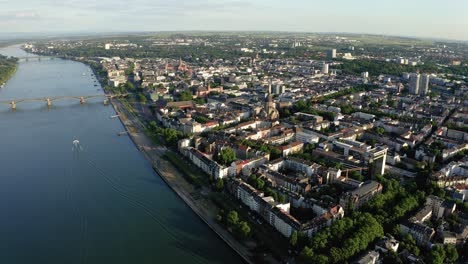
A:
[(49, 100), (27, 58)]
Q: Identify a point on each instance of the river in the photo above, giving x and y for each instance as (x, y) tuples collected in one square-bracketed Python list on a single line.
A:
[(99, 202)]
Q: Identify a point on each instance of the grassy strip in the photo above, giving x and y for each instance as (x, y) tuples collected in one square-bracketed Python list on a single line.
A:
[(268, 238), (186, 171)]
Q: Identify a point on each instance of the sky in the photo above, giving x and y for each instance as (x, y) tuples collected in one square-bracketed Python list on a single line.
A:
[(417, 18)]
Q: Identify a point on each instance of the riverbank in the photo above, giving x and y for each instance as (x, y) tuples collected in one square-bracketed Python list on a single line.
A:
[(202, 206), (6, 72)]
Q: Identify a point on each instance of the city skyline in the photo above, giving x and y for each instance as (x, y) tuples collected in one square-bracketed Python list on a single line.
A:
[(397, 18)]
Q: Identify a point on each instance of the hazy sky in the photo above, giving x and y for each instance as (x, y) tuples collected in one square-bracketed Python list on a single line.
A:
[(425, 18)]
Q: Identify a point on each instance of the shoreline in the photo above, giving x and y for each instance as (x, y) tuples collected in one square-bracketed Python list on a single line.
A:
[(155, 158), (9, 76), (172, 177)]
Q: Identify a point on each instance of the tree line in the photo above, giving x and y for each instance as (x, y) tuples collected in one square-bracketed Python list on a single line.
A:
[(7, 68)]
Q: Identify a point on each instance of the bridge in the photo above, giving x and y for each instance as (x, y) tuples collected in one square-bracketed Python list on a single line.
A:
[(49, 100), (38, 58)]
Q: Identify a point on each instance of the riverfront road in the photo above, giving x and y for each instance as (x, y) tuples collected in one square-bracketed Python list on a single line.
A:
[(202, 206)]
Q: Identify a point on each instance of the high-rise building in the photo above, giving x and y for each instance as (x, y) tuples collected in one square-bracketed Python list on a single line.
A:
[(331, 54), (278, 89), (414, 83), (325, 68), (424, 84)]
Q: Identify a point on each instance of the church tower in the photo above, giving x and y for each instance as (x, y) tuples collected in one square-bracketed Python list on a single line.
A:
[(269, 106)]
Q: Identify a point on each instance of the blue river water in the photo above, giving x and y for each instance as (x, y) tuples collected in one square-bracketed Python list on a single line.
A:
[(99, 202)]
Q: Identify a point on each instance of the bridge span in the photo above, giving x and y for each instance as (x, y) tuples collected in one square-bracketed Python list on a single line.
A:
[(37, 58), (49, 100)]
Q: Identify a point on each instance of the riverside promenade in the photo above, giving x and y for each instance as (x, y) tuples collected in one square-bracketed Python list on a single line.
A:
[(200, 204)]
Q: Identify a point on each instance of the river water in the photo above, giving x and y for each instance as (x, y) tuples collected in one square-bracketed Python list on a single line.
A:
[(99, 202)]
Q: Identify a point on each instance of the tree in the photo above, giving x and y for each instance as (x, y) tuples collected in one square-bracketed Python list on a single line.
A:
[(186, 96), (293, 239), (437, 255), (232, 218), (129, 86), (142, 98), (122, 89), (252, 180), (281, 198), (227, 156), (307, 255), (380, 130), (220, 184), (275, 196), (321, 259), (451, 254), (219, 218), (356, 175), (243, 229), (260, 184), (410, 244)]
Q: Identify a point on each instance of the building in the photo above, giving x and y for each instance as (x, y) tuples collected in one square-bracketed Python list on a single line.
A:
[(387, 243), (422, 215), (454, 238), (414, 83), (331, 54), (291, 148), (107, 46), (304, 137), (424, 85), (325, 68), (448, 238), (370, 257), (372, 158), (419, 84), (440, 207), (247, 194), (207, 165), (353, 200), (278, 214), (421, 233), (278, 89), (269, 110)]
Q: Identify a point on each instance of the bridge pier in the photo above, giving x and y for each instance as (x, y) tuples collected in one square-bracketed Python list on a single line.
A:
[(82, 100), (49, 102), (13, 105)]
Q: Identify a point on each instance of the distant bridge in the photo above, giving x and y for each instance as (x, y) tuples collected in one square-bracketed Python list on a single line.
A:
[(49, 100), (37, 58)]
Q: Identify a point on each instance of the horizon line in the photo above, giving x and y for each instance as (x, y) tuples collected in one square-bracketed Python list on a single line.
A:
[(105, 32)]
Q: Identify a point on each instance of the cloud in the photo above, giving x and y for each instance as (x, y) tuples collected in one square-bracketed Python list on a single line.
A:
[(20, 15), (27, 15), (147, 7)]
